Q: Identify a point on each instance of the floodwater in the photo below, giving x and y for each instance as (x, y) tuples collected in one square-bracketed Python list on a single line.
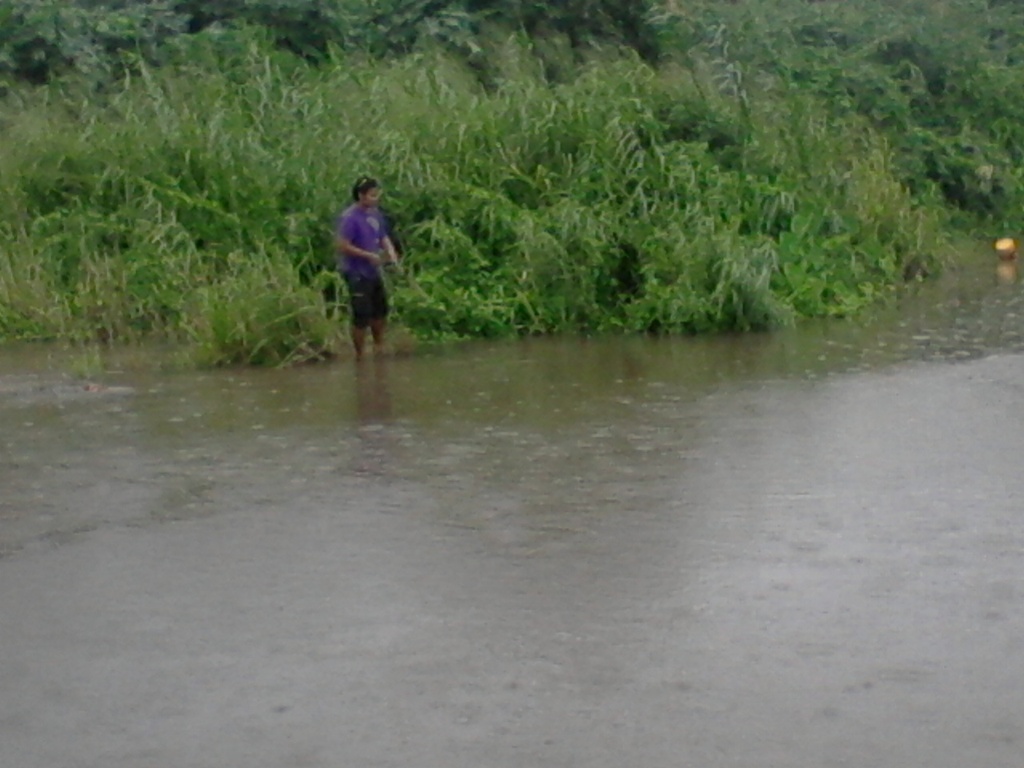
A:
[(802, 549)]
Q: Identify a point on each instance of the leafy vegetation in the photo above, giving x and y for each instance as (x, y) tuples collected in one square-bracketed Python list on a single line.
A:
[(599, 167)]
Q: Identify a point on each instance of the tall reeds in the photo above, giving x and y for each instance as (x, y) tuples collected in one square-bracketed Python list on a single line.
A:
[(197, 201)]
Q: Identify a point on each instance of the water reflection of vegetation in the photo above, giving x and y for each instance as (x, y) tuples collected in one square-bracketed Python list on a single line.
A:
[(792, 164)]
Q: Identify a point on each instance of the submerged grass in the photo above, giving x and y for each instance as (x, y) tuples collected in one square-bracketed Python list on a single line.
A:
[(196, 202)]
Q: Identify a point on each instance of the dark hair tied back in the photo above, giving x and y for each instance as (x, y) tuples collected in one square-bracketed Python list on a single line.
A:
[(363, 184)]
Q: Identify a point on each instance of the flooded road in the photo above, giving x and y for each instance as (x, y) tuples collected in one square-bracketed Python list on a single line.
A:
[(801, 549)]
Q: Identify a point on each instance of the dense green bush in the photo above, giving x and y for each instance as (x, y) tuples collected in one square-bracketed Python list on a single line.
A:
[(43, 39), (630, 198), (936, 79), (736, 166)]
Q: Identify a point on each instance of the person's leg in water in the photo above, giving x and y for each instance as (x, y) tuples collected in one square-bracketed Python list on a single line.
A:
[(358, 340), (378, 315), (377, 326), (361, 309), (369, 310)]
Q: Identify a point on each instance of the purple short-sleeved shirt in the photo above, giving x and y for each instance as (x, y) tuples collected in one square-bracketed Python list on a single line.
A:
[(365, 228)]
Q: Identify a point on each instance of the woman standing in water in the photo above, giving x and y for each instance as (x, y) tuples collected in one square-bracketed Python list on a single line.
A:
[(363, 247)]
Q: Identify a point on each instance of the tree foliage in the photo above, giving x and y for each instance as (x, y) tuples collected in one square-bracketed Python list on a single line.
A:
[(42, 39)]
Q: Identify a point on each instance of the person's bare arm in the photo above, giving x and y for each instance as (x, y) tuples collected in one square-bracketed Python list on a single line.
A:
[(347, 248), (389, 249)]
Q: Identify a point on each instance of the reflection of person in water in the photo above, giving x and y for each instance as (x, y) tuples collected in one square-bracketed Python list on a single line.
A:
[(373, 397), (1006, 269), (375, 443)]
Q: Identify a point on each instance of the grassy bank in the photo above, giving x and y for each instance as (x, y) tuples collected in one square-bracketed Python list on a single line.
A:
[(730, 186)]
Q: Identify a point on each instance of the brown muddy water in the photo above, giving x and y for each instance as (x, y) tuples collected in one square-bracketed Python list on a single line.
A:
[(800, 549)]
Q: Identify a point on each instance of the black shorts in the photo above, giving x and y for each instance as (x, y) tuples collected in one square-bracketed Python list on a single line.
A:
[(368, 299)]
